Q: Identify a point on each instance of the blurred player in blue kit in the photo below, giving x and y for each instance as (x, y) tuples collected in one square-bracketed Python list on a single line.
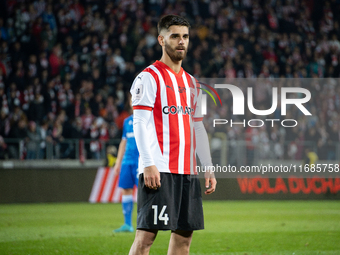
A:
[(127, 165)]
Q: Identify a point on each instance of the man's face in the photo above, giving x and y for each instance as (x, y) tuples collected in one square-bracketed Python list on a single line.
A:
[(176, 42)]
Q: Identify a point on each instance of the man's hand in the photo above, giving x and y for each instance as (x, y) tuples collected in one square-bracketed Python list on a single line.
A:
[(210, 181), (152, 177), (116, 169)]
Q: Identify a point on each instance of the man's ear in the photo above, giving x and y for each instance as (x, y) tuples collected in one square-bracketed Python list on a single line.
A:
[(161, 40)]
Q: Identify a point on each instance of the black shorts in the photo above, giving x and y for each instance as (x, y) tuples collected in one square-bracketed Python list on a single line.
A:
[(176, 205)]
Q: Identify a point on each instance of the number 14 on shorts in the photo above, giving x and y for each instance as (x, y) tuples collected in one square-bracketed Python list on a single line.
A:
[(161, 217)]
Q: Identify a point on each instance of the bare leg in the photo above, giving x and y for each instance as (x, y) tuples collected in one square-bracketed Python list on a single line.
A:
[(143, 241), (127, 192), (180, 242)]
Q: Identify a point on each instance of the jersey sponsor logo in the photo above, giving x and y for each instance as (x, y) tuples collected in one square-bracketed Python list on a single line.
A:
[(130, 135), (178, 110)]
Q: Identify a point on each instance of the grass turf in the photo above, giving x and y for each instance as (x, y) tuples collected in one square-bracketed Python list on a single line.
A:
[(232, 227)]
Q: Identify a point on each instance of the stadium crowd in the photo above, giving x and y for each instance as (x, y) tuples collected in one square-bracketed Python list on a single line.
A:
[(66, 67)]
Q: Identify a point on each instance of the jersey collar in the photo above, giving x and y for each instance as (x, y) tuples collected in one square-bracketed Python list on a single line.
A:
[(168, 68)]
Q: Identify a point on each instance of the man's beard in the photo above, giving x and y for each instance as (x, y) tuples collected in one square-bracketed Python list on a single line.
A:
[(174, 55)]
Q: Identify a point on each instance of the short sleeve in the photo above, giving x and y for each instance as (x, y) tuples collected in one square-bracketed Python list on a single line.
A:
[(143, 91), (124, 129)]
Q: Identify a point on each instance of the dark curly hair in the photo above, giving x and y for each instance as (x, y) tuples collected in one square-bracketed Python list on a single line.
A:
[(171, 20)]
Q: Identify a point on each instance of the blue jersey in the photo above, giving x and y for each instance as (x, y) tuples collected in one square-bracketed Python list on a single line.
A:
[(131, 152)]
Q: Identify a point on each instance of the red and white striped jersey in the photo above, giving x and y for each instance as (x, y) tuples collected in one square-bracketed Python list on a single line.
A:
[(174, 101)]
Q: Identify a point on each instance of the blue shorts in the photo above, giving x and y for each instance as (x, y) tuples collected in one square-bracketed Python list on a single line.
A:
[(128, 176)]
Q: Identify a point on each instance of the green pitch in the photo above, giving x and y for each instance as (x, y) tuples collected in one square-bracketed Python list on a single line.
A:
[(273, 227)]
